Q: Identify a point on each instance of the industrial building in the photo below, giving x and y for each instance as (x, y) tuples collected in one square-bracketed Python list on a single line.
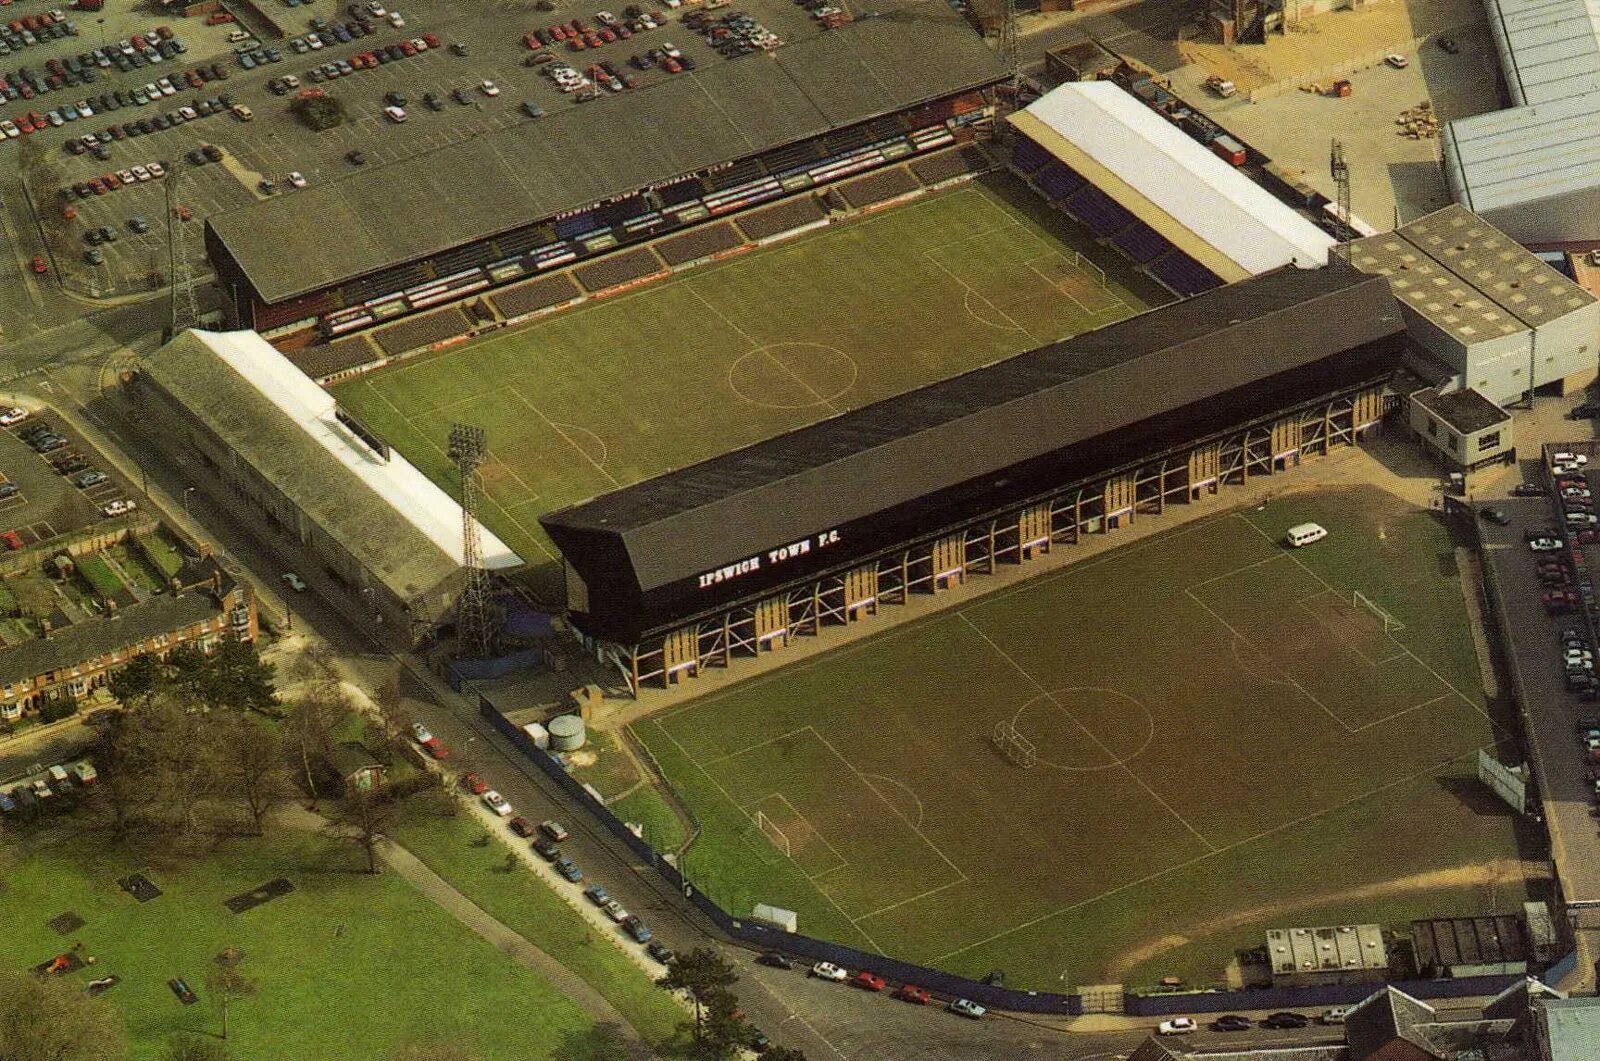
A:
[(1471, 946), (1337, 954), (1496, 315), (259, 435), (1175, 208), (737, 554), (1533, 170), (1462, 430), (520, 201)]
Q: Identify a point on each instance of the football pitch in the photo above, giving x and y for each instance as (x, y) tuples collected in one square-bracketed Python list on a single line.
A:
[(1228, 739), (723, 356)]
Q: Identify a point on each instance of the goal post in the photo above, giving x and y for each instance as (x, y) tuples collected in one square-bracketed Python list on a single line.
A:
[(1362, 601), (770, 830), (1017, 749)]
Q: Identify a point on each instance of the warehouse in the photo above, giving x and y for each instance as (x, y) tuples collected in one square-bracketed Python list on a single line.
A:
[(506, 205), (910, 495), (1533, 170), (1186, 217), (1492, 312), (366, 526)]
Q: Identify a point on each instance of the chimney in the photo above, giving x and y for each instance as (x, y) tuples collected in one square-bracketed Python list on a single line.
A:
[(44, 629), (205, 550)]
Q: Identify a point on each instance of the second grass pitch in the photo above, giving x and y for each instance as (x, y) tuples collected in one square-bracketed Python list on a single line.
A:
[(623, 389)]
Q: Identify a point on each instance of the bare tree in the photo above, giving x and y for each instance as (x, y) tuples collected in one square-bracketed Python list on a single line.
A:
[(250, 763), (311, 722), (362, 817), (227, 983), (391, 712), (53, 1020)]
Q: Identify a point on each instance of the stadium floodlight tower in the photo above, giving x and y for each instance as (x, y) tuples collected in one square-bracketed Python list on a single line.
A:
[(475, 625), (183, 301)]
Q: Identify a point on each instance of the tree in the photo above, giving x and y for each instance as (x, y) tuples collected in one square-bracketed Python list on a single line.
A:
[(362, 817), (185, 1047), (783, 1053), (53, 1020), (249, 754), (227, 983), (138, 680), (311, 722), (318, 113), (706, 975), (391, 712)]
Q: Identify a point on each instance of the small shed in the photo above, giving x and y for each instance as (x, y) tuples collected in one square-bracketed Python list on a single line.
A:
[(357, 766)]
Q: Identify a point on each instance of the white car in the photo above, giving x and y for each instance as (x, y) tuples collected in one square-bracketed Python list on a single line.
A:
[(497, 803), (13, 416), (1177, 1026), (294, 581), (420, 732), (140, 173), (157, 171), (378, 10), (1570, 458), (314, 40), (297, 179), (1399, 62), (965, 1007), (490, 88), (395, 114), (829, 971), (396, 21), (167, 87), (126, 176), (1545, 545), (118, 508), (9, 127), (235, 36), (419, 44), (614, 910)]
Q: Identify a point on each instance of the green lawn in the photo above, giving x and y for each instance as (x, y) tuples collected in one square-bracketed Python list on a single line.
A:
[(529, 907), (399, 969), (98, 574), (1218, 728), (720, 357), (163, 554)]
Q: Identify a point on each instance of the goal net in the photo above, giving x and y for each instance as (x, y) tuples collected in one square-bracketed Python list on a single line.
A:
[(1017, 749), (770, 830), (1362, 601)]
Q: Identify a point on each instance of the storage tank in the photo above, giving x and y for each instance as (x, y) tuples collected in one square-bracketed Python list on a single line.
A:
[(566, 733)]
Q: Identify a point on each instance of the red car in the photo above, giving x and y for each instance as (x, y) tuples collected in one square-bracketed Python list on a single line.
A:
[(575, 43), (69, 212), (218, 18), (474, 784), (435, 747), (559, 32), (432, 40), (40, 266), (913, 994), (521, 826), (528, 39), (867, 981), (12, 539), (184, 213), (164, 32)]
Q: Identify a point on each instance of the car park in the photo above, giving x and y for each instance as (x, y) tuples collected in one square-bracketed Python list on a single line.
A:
[(13, 416)]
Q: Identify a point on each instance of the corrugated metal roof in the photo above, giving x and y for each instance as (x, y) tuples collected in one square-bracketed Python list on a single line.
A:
[(1572, 1028), (1180, 177), (913, 446), (333, 232), (1549, 49), (1466, 277)]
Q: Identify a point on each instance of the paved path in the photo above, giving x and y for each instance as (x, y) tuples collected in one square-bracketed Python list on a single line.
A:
[(518, 948)]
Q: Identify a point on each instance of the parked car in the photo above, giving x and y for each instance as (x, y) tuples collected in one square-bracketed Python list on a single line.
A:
[(829, 971), (420, 733), (568, 869), (615, 911), (637, 929), (546, 850), (867, 981), (597, 895), (1545, 545), (13, 416), (118, 508), (84, 480), (474, 784), (1285, 1020), (436, 748), (497, 803), (913, 994), (775, 960), (1232, 1022), (294, 581), (965, 1007), (660, 952), (1336, 1015), (1177, 1026), (554, 830), (1496, 515)]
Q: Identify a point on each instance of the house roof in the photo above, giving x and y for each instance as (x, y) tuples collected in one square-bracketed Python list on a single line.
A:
[(1382, 1018), (351, 757)]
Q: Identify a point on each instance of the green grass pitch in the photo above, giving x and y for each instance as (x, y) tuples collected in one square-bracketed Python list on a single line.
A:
[(724, 356), (1226, 743)]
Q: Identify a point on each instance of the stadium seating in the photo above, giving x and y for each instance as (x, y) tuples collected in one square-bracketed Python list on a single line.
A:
[(1057, 181), (1028, 156), (576, 225), (1183, 274), (1102, 214), (1141, 242)]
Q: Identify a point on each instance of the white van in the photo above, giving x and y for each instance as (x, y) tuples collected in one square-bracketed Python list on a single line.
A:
[(1305, 534)]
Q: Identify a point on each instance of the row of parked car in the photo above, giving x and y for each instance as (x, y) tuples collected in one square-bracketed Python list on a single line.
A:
[(578, 35), (732, 35), (868, 981), (56, 788), (29, 30), (44, 440), (371, 60), (1235, 1022), (82, 69)]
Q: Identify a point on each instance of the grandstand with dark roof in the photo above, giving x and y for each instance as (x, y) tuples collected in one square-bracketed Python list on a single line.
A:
[(506, 206), (909, 495)]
